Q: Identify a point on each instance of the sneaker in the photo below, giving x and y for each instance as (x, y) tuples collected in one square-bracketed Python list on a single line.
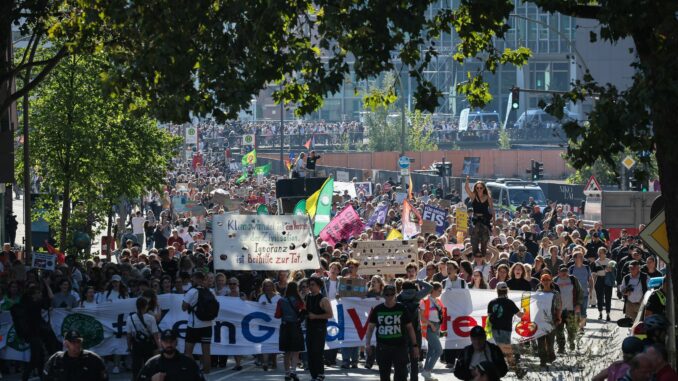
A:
[(449, 365), (237, 368), (345, 366), (354, 366), (115, 370), (608, 317), (600, 316)]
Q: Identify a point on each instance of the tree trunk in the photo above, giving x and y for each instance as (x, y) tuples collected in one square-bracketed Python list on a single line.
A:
[(65, 215)]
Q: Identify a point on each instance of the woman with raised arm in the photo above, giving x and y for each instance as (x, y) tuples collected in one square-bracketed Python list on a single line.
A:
[(483, 210)]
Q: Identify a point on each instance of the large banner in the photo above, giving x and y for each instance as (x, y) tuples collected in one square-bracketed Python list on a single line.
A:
[(261, 242), (467, 308), (244, 327)]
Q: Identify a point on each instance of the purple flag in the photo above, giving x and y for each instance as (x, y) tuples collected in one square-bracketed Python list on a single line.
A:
[(344, 225), (379, 215)]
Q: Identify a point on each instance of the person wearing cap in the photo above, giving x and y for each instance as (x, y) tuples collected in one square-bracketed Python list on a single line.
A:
[(478, 352), (170, 364), (633, 287), (572, 298), (546, 344), (392, 323), (631, 346), (500, 312), (74, 363)]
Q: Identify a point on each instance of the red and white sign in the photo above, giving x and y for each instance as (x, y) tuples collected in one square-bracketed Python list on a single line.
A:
[(592, 186)]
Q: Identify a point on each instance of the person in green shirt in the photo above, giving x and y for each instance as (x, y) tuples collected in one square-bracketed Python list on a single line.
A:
[(11, 297)]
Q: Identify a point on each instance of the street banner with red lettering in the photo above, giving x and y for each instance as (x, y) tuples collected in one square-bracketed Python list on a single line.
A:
[(344, 225), (466, 308)]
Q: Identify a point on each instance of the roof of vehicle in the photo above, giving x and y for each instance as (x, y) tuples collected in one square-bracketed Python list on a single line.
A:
[(514, 183)]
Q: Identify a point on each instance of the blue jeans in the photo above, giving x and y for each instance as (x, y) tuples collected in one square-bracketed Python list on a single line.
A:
[(434, 348), (350, 355)]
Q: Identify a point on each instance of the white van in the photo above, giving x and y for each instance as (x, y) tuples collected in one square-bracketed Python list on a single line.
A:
[(509, 194)]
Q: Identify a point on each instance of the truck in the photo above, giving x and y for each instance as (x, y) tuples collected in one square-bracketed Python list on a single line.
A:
[(619, 210)]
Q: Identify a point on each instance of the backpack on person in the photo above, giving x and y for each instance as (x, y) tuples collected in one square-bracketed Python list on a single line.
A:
[(207, 307)]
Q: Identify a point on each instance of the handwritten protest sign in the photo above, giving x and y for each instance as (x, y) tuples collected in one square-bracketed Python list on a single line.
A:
[(263, 242), (461, 217), (384, 257), (354, 287), (428, 227)]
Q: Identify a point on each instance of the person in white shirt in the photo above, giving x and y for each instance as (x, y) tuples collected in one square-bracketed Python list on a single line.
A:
[(142, 336), (115, 290), (197, 331), (89, 298), (138, 227)]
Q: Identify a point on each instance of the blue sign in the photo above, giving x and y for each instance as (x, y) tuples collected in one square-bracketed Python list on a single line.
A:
[(404, 162), (437, 215)]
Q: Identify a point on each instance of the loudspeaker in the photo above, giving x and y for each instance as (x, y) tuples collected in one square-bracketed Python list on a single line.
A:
[(289, 188), (288, 204)]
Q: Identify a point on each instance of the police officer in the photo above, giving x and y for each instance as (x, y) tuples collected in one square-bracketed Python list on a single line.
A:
[(74, 363), (170, 364)]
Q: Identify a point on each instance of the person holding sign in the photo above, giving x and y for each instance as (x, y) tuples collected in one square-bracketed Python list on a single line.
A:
[(483, 211)]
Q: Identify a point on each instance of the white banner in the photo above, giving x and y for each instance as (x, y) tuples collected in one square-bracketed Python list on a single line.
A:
[(244, 327), (261, 242), (467, 308), (463, 119)]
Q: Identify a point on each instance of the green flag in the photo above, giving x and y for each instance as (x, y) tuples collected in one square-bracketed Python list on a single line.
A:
[(242, 178), (323, 209), (250, 158), (300, 208), (262, 209), (264, 169)]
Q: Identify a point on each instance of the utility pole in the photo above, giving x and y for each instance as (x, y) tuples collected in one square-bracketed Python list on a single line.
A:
[(282, 135)]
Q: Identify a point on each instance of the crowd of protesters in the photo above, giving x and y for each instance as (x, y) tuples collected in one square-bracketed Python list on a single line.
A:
[(163, 250)]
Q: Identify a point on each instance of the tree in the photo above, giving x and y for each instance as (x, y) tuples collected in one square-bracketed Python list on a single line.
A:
[(91, 149), (421, 132)]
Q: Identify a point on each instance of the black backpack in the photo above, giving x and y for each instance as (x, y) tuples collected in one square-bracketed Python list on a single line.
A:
[(207, 307)]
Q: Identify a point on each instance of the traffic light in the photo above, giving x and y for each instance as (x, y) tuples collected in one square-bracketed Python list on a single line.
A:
[(536, 170), (635, 184), (515, 98)]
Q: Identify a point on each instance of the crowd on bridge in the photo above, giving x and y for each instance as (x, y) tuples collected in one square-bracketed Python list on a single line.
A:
[(164, 248)]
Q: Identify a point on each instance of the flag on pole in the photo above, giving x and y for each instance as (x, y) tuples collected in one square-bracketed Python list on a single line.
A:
[(312, 201), (300, 208), (310, 142), (394, 235), (250, 158), (409, 192), (323, 209), (242, 178), (411, 220), (60, 257), (344, 225), (264, 169)]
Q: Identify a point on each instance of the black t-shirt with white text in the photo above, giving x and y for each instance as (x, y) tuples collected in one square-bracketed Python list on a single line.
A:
[(391, 324)]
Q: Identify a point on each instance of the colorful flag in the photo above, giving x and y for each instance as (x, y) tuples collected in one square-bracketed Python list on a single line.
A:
[(343, 226), (312, 202), (300, 208), (250, 158), (262, 209), (264, 169), (310, 142), (242, 178), (61, 258), (411, 220), (288, 164), (379, 215), (323, 209), (409, 192), (394, 235)]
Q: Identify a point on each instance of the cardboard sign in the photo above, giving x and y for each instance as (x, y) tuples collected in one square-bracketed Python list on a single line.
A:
[(385, 257), (263, 242), (354, 287), (429, 227), (44, 261)]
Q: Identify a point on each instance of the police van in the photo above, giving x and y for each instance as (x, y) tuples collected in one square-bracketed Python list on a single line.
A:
[(510, 194)]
